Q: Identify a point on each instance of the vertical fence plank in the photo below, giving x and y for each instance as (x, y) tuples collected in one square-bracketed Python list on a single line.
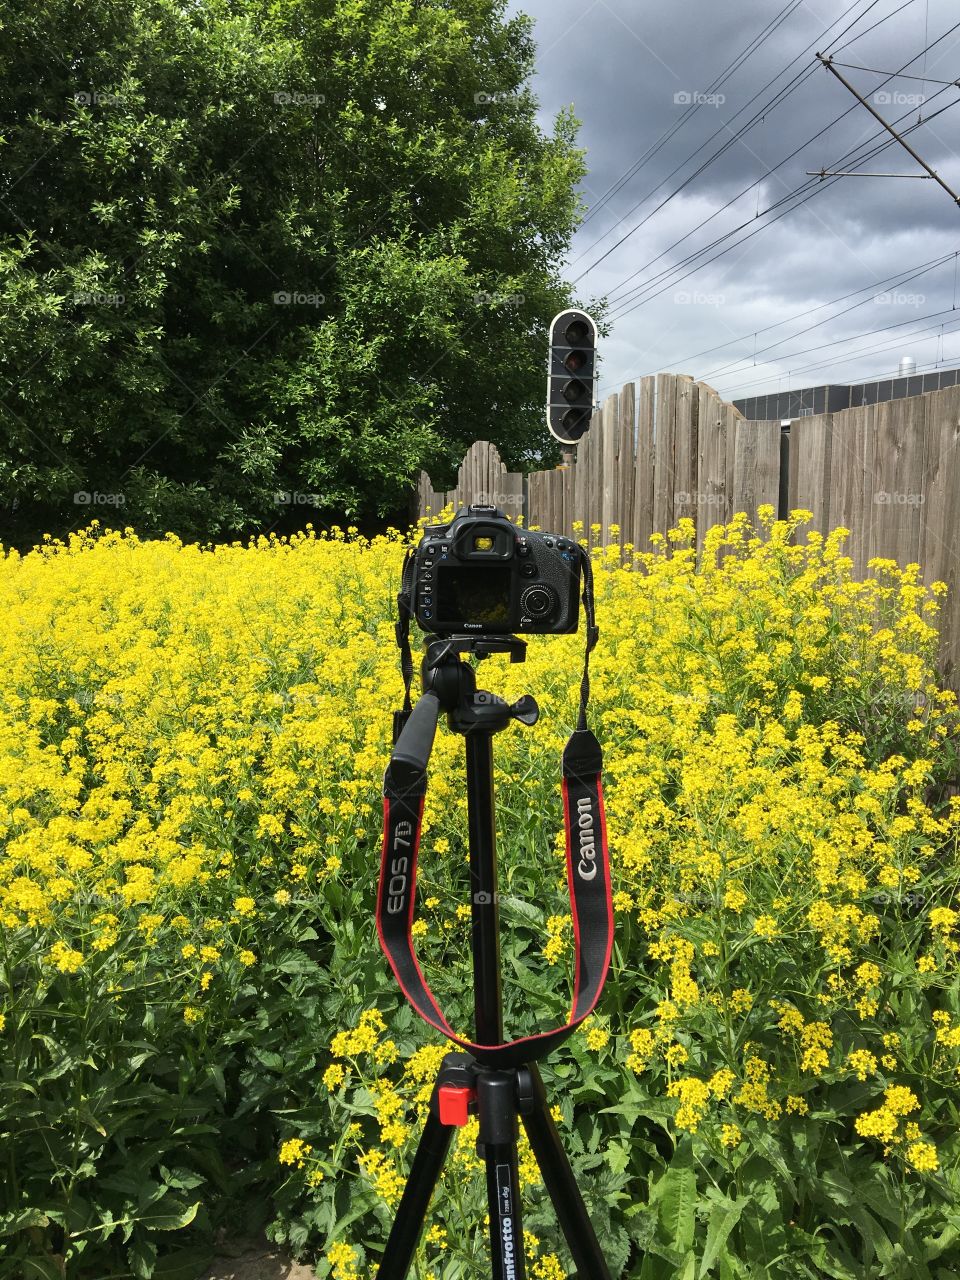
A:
[(731, 417), (896, 464), (940, 533), (711, 486), (852, 481), (644, 468), (685, 451), (811, 449), (626, 462), (610, 469), (665, 434), (756, 467)]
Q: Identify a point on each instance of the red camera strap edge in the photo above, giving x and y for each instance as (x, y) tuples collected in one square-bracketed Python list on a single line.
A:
[(591, 901)]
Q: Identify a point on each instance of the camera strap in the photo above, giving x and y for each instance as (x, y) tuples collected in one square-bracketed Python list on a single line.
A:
[(587, 860)]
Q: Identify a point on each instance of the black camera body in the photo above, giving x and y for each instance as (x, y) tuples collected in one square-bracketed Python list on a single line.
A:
[(482, 574)]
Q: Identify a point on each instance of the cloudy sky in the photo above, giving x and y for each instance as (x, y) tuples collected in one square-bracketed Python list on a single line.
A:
[(644, 80)]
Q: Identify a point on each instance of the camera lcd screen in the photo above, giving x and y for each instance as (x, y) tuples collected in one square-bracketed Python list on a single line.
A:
[(475, 593)]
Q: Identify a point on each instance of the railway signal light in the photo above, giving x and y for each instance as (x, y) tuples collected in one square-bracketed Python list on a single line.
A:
[(571, 375)]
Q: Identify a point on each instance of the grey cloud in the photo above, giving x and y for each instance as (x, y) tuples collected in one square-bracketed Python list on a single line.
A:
[(623, 64)]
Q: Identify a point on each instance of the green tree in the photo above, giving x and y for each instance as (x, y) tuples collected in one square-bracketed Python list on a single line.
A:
[(249, 250)]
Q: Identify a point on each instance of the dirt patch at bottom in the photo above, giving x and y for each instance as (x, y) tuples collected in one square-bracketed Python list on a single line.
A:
[(259, 1264)]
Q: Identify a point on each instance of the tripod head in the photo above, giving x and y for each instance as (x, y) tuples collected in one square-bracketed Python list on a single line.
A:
[(450, 684)]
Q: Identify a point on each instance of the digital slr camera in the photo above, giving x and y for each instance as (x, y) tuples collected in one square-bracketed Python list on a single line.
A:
[(480, 573)]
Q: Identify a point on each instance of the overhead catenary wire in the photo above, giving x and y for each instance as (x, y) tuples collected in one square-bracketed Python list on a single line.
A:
[(724, 372), (900, 75), (694, 107), (807, 190), (895, 281), (778, 99), (620, 303), (847, 355), (765, 386)]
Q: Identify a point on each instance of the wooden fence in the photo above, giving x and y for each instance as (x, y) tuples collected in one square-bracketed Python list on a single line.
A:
[(669, 447)]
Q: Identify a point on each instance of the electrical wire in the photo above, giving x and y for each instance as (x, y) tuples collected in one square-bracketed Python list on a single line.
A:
[(720, 80), (888, 282), (809, 185), (779, 98), (806, 191)]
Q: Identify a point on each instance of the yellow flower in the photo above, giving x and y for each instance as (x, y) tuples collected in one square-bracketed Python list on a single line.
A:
[(730, 1135), (343, 1261), (244, 906), (900, 1100), (881, 1124), (721, 1082), (735, 897), (192, 1014), (597, 1038), (862, 1063), (694, 1097), (334, 1076), (64, 958), (923, 1156), (247, 958), (294, 1152)]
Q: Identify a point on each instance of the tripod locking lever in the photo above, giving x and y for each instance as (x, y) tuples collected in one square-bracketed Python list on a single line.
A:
[(525, 710), (454, 1104)]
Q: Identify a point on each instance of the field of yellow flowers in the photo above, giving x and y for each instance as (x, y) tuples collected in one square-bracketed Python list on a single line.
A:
[(199, 1033)]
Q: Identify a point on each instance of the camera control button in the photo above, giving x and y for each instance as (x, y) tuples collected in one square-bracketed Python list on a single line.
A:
[(523, 550), (528, 570)]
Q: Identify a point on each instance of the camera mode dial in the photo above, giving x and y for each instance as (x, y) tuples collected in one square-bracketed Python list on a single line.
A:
[(539, 601)]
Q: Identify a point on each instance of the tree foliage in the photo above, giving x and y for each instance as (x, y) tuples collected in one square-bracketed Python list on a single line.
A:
[(264, 257)]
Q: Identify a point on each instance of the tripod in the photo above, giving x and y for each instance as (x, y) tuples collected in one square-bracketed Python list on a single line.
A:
[(480, 1082)]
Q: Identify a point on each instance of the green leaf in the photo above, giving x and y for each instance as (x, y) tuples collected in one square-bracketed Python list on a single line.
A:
[(143, 1257), (171, 1220), (677, 1196), (11, 1223), (723, 1218)]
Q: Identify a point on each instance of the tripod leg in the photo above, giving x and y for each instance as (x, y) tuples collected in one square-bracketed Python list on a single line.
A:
[(412, 1209), (496, 1108), (558, 1178)]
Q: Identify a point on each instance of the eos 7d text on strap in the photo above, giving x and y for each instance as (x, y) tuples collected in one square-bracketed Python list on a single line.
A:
[(470, 585)]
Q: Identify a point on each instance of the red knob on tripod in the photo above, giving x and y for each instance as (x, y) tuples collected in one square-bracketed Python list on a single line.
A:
[(455, 1104)]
